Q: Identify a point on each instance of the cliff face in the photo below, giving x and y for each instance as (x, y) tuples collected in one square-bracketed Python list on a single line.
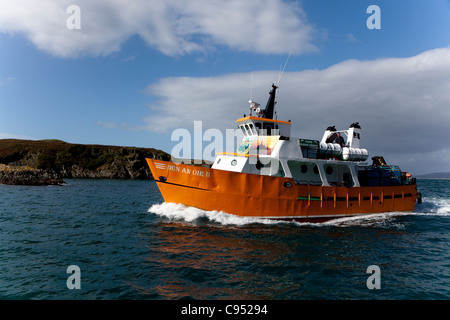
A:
[(28, 176), (80, 161)]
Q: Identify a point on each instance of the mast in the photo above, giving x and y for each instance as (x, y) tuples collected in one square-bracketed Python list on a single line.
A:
[(270, 107)]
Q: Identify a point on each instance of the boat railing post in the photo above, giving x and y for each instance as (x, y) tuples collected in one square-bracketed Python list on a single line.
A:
[(321, 199), (347, 199), (334, 198)]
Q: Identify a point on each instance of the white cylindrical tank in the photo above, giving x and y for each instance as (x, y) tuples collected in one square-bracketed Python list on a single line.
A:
[(364, 154), (354, 154), (330, 149)]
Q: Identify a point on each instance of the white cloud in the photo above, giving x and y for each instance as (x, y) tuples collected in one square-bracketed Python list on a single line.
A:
[(402, 104), (172, 26)]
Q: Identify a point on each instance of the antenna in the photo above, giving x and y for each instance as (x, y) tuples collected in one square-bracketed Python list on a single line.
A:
[(281, 73), (251, 86), (254, 106)]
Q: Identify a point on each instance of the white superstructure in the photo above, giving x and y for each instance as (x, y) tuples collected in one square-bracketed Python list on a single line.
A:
[(267, 148)]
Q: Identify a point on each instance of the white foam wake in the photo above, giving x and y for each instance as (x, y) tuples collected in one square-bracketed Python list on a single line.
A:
[(175, 211), (434, 206), (181, 212), (385, 219)]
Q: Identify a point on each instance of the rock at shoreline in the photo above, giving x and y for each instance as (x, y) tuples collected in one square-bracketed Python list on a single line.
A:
[(27, 176), (74, 161)]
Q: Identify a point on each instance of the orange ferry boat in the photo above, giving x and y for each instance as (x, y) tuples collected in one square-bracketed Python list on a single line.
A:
[(275, 176)]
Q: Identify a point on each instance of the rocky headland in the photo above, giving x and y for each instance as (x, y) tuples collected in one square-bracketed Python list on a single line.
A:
[(32, 162), (24, 175)]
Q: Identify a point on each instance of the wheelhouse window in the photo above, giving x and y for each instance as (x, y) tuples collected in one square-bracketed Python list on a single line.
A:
[(252, 129), (259, 128), (244, 132), (249, 132)]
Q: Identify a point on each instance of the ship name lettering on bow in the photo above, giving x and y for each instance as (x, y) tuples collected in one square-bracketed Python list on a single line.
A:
[(194, 172)]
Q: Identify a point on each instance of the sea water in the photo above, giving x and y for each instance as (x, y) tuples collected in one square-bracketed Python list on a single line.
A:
[(128, 244)]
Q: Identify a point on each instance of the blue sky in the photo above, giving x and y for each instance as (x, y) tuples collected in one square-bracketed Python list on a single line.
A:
[(136, 71)]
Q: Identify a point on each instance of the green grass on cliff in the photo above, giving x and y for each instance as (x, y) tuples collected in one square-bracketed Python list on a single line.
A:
[(54, 154)]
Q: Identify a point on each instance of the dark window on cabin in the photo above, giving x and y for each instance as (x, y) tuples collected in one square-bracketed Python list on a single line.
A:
[(316, 170), (249, 132), (258, 127), (243, 130), (304, 168), (268, 127), (252, 128), (259, 165)]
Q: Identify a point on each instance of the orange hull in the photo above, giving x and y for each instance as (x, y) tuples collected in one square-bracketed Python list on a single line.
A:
[(251, 195)]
